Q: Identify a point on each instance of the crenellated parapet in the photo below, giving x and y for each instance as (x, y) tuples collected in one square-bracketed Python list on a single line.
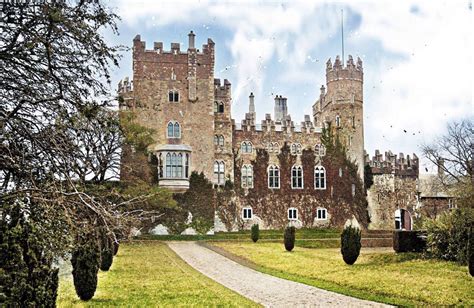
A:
[(175, 48), (389, 163), (351, 71)]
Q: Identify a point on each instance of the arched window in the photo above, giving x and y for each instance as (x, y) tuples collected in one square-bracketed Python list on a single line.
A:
[(246, 147), (216, 140), (276, 147), (338, 121), (319, 177), (273, 177), (173, 96), (221, 107), (296, 148), (174, 165), (321, 214), (320, 150), (173, 130), (293, 213), (247, 176), (216, 106), (297, 177), (221, 140), (219, 177)]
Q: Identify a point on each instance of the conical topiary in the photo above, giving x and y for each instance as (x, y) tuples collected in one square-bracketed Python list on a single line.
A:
[(350, 244), (106, 251), (255, 233), (85, 266), (289, 238)]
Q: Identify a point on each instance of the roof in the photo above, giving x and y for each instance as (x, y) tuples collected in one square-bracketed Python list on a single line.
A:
[(431, 186)]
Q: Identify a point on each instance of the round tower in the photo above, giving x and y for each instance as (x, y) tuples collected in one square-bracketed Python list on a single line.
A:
[(342, 106)]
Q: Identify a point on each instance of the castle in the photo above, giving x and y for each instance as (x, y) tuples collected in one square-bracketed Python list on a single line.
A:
[(281, 171)]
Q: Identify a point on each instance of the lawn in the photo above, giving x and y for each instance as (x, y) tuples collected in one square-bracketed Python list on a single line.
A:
[(148, 274), (379, 274)]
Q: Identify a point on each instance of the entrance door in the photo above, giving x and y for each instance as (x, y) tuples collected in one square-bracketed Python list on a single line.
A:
[(402, 220)]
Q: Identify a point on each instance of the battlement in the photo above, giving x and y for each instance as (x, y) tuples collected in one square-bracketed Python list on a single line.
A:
[(125, 86), (389, 163), (269, 125), (140, 46), (337, 70), (219, 86)]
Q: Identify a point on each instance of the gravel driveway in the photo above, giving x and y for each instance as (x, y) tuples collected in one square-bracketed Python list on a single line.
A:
[(262, 288)]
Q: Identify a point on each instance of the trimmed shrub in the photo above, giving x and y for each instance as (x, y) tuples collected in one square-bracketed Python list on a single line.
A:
[(448, 235), (470, 251), (350, 244), (255, 233), (106, 251), (409, 241), (289, 238), (85, 266)]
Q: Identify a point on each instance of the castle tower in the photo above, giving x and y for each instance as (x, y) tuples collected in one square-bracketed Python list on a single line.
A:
[(173, 94), (340, 106), (281, 109)]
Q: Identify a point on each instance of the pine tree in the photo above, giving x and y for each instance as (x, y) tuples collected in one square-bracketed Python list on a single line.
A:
[(350, 244), (289, 238), (255, 233), (85, 265)]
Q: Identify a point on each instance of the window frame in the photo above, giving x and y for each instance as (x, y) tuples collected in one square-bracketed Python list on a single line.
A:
[(245, 176), (317, 170), (294, 210), (173, 96), (273, 168), (321, 210), (249, 210), (246, 147), (219, 176), (320, 150), (175, 126), (338, 121), (297, 168)]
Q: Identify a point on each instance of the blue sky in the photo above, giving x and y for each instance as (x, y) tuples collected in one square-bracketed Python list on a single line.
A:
[(417, 56)]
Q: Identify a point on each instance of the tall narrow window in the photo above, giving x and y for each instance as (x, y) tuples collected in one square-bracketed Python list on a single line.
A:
[(219, 172), (246, 147), (177, 131), (170, 130), (173, 96), (340, 172), (297, 177), (176, 96), (221, 140), (216, 140), (353, 122), (350, 140), (160, 166), (186, 166), (221, 107), (321, 214), (353, 190), (173, 130), (168, 165), (338, 121), (319, 177), (216, 106), (247, 176), (273, 177), (320, 150), (292, 213)]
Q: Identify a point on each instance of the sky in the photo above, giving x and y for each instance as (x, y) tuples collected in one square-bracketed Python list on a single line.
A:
[(417, 56)]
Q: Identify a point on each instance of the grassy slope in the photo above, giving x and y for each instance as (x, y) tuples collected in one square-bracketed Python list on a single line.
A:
[(401, 279), (150, 274)]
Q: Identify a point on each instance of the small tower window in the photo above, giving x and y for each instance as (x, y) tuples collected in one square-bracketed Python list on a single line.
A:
[(221, 107), (338, 121), (353, 122), (353, 188), (173, 96)]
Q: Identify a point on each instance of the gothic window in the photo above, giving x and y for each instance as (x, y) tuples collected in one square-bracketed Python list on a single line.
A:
[(338, 121), (221, 107), (247, 176), (276, 147), (319, 177), (292, 213), (297, 177), (176, 166), (173, 96), (221, 140), (321, 214), (173, 130), (246, 147), (296, 148), (247, 213), (273, 177), (219, 172), (320, 150), (216, 140)]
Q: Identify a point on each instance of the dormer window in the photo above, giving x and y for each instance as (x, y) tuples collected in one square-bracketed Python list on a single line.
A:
[(173, 96)]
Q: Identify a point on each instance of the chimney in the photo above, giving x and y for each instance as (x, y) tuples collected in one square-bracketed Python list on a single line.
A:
[(251, 103), (440, 164), (191, 36)]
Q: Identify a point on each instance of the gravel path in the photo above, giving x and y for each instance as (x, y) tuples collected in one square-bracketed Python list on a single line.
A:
[(259, 287)]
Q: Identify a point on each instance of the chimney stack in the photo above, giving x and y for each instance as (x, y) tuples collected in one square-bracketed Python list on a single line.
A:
[(440, 164), (191, 36), (251, 103)]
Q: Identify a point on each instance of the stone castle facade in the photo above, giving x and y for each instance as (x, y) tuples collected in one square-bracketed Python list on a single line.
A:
[(175, 93)]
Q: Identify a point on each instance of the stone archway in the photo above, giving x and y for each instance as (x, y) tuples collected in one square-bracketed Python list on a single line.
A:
[(403, 220)]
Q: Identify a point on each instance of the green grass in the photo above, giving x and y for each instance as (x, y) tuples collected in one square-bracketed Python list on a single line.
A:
[(245, 235), (379, 274), (149, 274)]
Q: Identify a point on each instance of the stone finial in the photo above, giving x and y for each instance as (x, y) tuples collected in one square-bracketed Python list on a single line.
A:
[(337, 62), (323, 90), (191, 37), (350, 61), (329, 64), (359, 63)]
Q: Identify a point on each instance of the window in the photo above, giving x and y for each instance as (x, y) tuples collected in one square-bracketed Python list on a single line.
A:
[(353, 122), (297, 177), (276, 147), (338, 121), (173, 96), (186, 166), (451, 204), (353, 188), (247, 176), (321, 214), (350, 140), (219, 140), (160, 166), (292, 213), (320, 150), (319, 177), (173, 75), (246, 147), (247, 213), (219, 169), (340, 172), (296, 148), (174, 165), (173, 130), (273, 177), (218, 107)]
